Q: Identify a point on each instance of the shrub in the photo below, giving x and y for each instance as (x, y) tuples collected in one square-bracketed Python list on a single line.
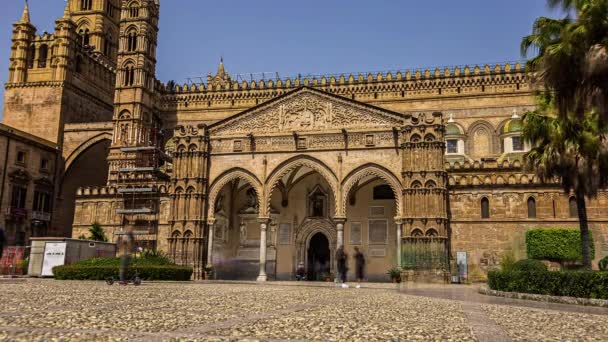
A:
[(97, 233), (558, 245), (603, 264), (582, 284), (146, 272), (507, 261), (529, 265)]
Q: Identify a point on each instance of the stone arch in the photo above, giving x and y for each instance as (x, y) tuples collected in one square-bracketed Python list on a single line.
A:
[(482, 139), (372, 170), (84, 147), (228, 176), (90, 155), (310, 229), (291, 164)]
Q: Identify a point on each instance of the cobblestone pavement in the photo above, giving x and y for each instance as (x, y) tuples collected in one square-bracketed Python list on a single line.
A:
[(47, 310)]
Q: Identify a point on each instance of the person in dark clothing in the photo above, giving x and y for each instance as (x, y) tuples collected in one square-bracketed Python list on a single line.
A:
[(341, 258), (300, 272), (359, 265), (2, 241)]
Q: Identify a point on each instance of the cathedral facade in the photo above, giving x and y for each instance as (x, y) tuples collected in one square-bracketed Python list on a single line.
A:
[(420, 169)]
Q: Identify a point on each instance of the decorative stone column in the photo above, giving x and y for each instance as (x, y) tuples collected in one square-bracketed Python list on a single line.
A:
[(210, 244), (399, 224), (340, 230), (263, 244)]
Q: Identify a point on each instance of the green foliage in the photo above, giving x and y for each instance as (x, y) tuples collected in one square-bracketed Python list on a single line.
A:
[(156, 256), (395, 273), (529, 265), (507, 261), (556, 244), (25, 264), (146, 272), (97, 233), (603, 264), (151, 259), (582, 284)]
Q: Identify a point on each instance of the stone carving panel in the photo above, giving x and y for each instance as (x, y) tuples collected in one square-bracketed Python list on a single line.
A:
[(307, 110)]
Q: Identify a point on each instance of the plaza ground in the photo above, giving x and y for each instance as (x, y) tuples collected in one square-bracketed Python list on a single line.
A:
[(46, 310)]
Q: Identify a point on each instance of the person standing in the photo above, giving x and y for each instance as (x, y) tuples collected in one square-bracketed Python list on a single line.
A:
[(341, 258), (127, 242), (359, 266)]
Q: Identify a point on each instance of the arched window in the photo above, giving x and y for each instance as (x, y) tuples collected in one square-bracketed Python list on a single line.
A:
[(132, 41), (485, 208), (107, 44), (43, 54), (531, 207), (134, 10), (432, 233), (417, 233), (129, 75), (31, 54), (415, 138), (86, 5), (573, 208), (84, 36)]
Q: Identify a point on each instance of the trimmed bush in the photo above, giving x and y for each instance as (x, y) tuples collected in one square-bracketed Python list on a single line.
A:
[(603, 264), (146, 272), (557, 245), (529, 265), (582, 284)]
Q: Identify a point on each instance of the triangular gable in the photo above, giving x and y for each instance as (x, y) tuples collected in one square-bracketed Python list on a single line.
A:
[(306, 109)]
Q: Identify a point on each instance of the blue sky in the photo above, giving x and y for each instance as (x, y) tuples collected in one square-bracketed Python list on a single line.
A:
[(316, 36)]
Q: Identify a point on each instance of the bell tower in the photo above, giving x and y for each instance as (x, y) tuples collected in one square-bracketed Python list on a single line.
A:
[(97, 23), (136, 160), (21, 50)]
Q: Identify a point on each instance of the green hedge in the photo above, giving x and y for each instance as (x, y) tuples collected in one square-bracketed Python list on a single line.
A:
[(582, 284), (556, 244), (146, 272), (529, 265)]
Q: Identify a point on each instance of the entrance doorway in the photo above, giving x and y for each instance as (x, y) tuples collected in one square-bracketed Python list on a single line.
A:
[(319, 261)]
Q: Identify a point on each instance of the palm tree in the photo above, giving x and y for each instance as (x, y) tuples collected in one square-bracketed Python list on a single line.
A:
[(572, 56), (97, 233), (572, 150)]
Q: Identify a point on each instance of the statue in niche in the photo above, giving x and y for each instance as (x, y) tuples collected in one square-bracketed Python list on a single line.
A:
[(251, 205), (243, 231), (317, 203)]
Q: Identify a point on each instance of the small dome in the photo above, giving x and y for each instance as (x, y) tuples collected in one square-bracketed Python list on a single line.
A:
[(513, 126), (452, 129)]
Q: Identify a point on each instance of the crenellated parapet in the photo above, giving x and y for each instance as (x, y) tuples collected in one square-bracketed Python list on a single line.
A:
[(406, 84)]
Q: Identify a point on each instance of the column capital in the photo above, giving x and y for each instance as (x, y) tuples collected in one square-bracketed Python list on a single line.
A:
[(264, 220), (340, 220), (399, 220), (211, 221)]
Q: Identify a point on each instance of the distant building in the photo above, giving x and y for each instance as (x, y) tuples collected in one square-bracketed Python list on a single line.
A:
[(254, 176), (28, 173)]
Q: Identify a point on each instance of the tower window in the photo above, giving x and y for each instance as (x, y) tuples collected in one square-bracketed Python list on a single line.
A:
[(132, 41), (485, 208), (517, 144), (86, 5), (31, 53), (531, 207), (572, 207), (452, 145), (134, 11), (129, 76), (43, 54)]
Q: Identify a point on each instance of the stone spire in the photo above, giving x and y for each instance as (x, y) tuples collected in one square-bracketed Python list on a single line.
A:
[(66, 11), (221, 78), (25, 17)]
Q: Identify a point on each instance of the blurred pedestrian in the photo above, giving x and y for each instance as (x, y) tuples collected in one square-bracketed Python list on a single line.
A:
[(127, 242), (300, 272), (359, 266), (2, 241), (341, 258)]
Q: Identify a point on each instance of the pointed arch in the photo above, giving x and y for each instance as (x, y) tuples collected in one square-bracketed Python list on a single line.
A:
[(372, 170), (228, 176), (291, 164), (85, 146)]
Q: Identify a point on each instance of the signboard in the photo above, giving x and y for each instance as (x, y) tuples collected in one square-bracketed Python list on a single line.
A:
[(461, 262), (54, 255)]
